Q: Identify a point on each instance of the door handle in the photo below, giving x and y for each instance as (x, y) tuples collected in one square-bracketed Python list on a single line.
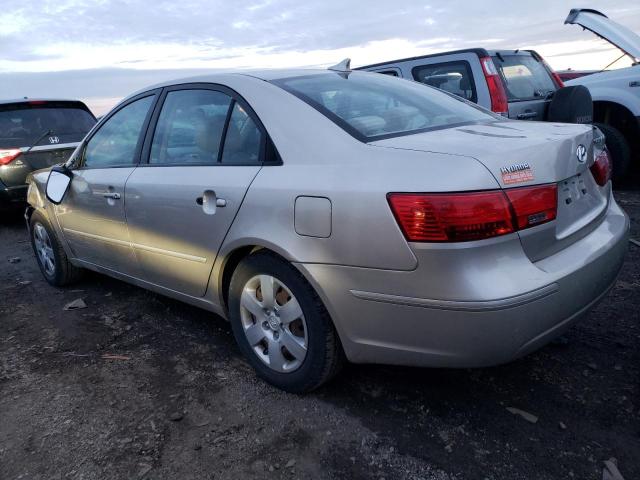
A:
[(220, 202), (525, 115), (113, 195), (210, 202)]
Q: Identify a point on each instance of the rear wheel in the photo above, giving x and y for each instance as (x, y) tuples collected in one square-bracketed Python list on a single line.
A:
[(51, 257), (618, 149), (281, 326)]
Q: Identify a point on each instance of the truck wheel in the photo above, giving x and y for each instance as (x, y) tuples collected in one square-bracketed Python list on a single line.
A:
[(619, 151)]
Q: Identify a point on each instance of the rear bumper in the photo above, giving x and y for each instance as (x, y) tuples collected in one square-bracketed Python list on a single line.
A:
[(499, 304)]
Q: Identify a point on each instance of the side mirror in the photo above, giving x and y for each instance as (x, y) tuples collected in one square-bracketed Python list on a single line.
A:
[(58, 183)]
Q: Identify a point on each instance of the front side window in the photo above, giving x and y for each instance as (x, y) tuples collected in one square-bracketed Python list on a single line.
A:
[(452, 77), (525, 77), (370, 106), (115, 143), (190, 128)]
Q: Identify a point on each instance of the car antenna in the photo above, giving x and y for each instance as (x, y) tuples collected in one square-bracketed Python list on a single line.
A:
[(343, 66)]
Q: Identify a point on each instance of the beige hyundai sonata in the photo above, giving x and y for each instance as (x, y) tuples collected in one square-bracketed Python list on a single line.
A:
[(331, 214)]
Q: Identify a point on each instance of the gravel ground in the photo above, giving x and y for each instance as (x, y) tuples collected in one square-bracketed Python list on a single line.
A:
[(140, 386)]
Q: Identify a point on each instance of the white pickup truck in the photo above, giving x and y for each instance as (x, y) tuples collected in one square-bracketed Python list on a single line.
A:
[(615, 93)]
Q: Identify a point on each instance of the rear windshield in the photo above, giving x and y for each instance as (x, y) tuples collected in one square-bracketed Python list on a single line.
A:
[(525, 77), (371, 106), (23, 124)]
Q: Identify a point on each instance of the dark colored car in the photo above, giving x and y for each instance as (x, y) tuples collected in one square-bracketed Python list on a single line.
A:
[(36, 134)]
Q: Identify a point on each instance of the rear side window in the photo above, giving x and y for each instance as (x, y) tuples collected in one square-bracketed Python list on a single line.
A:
[(23, 124), (371, 106), (525, 78), (115, 142), (243, 140), (190, 128), (452, 77)]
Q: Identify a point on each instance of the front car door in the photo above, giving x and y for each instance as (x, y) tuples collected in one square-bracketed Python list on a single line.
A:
[(205, 150), (92, 214)]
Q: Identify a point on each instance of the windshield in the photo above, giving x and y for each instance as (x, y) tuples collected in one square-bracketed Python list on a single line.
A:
[(370, 106), (525, 77), (23, 124)]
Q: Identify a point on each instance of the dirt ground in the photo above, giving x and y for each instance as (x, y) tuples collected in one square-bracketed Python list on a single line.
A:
[(140, 386)]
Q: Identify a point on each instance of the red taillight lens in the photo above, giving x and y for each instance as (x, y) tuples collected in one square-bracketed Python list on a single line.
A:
[(458, 217), (556, 78), (9, 155), (462, 217), (499, 102), (533, 205), (601, 168)]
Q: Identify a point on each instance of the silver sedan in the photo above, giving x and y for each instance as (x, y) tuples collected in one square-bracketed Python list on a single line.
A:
[(332, 215)]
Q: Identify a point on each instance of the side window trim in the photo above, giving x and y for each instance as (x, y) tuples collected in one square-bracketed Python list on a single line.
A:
[(467, 67), (268, 156), (225, 129), (141, 136)]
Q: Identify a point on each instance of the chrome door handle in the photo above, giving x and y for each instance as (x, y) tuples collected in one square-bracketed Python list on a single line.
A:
[(114, 195), (221, 202)]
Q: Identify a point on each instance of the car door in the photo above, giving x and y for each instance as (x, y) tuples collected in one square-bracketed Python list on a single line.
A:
[(205, 150), (528, 83), (92, 214)]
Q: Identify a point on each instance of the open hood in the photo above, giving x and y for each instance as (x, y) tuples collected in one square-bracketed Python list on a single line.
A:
[(602, 26)]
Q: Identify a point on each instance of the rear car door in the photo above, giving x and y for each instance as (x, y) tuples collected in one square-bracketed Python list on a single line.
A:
[(92, 213), (528, 83), (205, 150)]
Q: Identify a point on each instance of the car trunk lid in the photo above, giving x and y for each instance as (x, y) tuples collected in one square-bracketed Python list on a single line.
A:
[(598, 23), (523, 154)]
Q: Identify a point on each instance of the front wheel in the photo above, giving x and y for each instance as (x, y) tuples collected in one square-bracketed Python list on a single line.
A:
[(281, 325), (51, 257)]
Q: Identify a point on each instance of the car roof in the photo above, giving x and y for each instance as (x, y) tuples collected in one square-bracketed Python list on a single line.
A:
[(221, 76), (226, 77), (481, 52), (38, 100)]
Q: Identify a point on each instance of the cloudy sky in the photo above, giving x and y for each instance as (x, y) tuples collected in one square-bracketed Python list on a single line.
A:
[(102, 50)]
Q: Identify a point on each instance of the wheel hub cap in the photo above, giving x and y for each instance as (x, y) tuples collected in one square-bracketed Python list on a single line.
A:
[(273, 323)]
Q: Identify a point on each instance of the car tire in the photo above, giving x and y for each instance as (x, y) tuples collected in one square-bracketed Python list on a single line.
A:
[(618, 149), (323, 357), (51, 257)]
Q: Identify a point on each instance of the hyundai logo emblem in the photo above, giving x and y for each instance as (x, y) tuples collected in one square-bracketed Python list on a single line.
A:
[(581, 153)]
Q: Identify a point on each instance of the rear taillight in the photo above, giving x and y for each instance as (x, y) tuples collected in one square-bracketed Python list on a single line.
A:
[(462, 217), (601, 168), (9, 155), (533, 205), (556, 78), (499, 102)]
